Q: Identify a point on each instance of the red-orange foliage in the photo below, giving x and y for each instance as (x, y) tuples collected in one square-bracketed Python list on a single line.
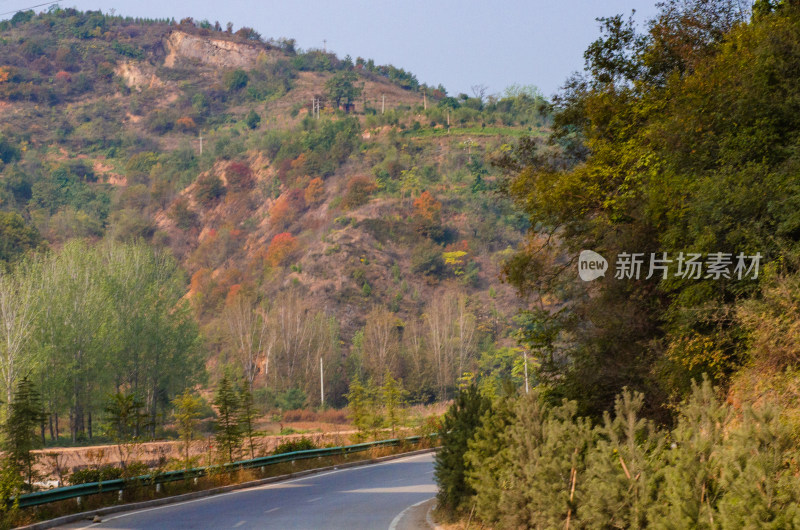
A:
[(359, 188), (315, 191), (233, 292), (199, 281), (63, 77), (239, 176), (186, 124), (287, 208), (279, 214), (427, 207), (280, 248)]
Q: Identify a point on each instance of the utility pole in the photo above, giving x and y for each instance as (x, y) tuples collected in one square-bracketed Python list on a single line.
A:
[(315, 103), (383, 103), (325, 45), (201, 144), (425, 100), (321, 384)]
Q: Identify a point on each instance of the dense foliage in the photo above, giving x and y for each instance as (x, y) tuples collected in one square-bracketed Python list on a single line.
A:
[(680, 140)]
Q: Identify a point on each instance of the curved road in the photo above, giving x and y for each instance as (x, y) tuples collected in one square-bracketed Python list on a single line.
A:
[(369, 496)]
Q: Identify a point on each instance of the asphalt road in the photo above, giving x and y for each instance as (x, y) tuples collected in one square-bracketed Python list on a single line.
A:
[(370, 496)]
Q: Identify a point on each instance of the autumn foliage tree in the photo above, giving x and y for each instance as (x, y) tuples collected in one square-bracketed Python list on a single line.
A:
[(287, 208), (280, 248), (427, 216), (359, 189), (239, 176), (314, 192)]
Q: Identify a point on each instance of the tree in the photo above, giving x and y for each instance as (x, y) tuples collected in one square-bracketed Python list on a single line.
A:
[(228, 428), (341, 88), (235, 80), (17, 315), (208, 189), (16, 237), (280, 248), (459, 425), (25, 416), (252, 119), (247, 326), (393, 395), (381, 342), (427, 216), (247, 416), (314, 192), (187, 414)]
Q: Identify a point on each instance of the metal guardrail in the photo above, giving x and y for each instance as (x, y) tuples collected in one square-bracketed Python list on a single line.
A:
[(81, 490)]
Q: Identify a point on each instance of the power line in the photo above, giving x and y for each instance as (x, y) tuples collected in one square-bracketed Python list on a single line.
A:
[(27, 8)]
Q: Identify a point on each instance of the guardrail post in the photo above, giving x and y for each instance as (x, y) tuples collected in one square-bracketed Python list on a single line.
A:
[(119, 495)]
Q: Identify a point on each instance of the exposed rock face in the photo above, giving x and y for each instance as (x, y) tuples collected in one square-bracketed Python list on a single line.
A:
[(214, 52), (138, 75)]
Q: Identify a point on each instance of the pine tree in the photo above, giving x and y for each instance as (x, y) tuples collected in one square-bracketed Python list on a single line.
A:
[(459, 425), (621, 468), (361, 400), (25, 416), (488, 458), (394, 396), (228, 430)]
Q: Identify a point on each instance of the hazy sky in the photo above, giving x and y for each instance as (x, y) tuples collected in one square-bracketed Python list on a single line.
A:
[(456, 43)]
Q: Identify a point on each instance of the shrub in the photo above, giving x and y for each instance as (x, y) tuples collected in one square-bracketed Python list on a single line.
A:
[(239, 176), (315, 192), (252, 119), (426, 259), (359, 189), (235, 80), (280, 248), (303, 444), (185, 218), (186, 124), (208, 189)]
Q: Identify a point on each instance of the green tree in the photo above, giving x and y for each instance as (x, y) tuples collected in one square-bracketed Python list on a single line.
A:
[(458, 427), (25, 417), (394, 399), (252, 119), (235, 80), (228, 428), (342, 88), (16, 237), (188, 407)]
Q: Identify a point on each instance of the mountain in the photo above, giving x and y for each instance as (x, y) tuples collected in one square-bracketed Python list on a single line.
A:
[(344, 207)]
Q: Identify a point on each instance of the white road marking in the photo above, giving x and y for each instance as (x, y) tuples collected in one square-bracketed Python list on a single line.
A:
[(399, 517), (272, 510), (315, 499), (256, 488), (240, 523)]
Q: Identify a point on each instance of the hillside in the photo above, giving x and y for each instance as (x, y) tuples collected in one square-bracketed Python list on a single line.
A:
[(364, 230)]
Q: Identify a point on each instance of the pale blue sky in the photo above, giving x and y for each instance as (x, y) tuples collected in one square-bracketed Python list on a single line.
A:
[(456, 43)]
